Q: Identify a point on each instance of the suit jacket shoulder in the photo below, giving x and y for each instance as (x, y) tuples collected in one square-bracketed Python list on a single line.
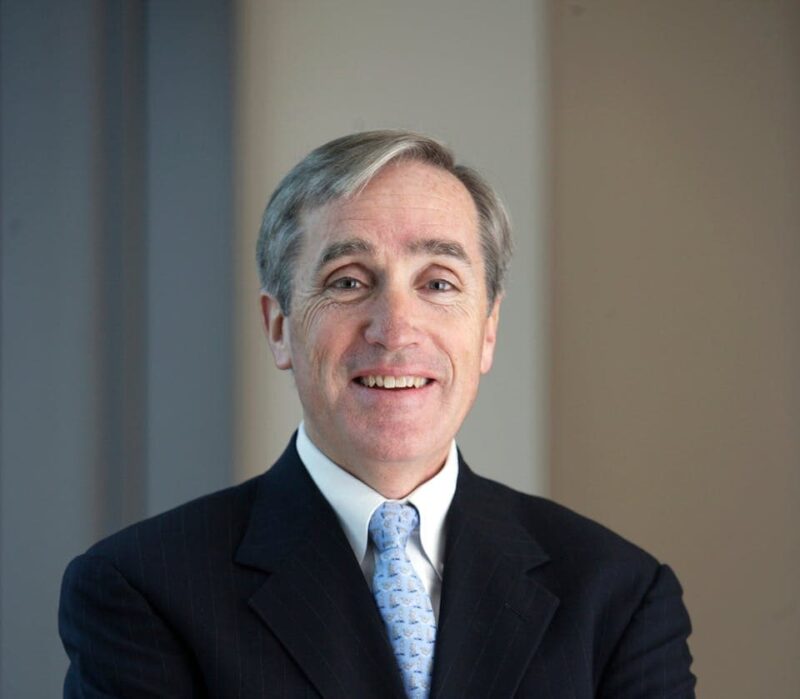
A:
[(192, 537), (573, 543), (599, 616)]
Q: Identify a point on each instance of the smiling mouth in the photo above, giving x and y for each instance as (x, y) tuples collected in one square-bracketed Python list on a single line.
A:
[(392, 382)]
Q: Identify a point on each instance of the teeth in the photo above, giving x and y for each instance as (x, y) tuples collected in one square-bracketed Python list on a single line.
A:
[(393, 381)]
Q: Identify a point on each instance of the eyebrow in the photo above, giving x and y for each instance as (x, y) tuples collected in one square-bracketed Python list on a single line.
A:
[(342, 248), (439, 247), (430, 246)]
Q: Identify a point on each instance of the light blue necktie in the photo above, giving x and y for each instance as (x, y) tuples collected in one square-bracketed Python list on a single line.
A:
[(401, 597)]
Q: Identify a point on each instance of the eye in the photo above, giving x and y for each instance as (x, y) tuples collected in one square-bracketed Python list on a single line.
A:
[(347, 284), (440, 285)]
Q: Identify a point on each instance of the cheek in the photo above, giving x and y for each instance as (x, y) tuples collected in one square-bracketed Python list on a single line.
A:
[(324, 339), (308, 315)]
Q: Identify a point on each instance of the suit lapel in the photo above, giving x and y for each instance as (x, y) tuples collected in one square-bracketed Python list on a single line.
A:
[(315, 599), (493, 615), (316, 602)]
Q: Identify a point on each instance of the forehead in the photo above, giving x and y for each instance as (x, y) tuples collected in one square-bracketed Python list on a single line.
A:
[(403, 202)]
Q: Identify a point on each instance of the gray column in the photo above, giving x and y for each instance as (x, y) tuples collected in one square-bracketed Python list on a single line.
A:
[(189, 244)]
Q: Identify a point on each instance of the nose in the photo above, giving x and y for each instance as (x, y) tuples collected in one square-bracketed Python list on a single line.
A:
[(393, 321)]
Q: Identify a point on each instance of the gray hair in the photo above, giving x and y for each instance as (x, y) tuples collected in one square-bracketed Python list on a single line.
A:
[(342, 168)]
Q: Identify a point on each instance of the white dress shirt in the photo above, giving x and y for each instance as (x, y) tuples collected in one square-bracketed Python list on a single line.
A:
[(354, 501)]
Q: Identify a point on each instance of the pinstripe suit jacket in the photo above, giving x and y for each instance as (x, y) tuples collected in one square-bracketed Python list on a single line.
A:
[(255, 592)]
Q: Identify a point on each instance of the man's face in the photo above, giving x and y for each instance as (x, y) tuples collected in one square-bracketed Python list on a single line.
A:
[(389, 290)]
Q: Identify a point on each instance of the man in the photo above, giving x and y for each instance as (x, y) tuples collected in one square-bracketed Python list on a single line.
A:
[(370, 561)]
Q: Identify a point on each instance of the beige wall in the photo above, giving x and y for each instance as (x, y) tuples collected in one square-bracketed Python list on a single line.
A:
[(676, 340), (468, 72)]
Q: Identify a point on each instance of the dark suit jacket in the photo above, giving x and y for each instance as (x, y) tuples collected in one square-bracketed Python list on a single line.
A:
[(254, 592)]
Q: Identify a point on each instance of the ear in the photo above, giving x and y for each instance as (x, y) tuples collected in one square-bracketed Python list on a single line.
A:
[(276, 328), (490, 336)]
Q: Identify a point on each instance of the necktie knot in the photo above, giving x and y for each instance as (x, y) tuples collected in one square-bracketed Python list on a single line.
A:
[(391, 525)]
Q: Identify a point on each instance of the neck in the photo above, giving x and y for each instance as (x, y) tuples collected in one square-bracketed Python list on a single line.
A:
[(394, 481)]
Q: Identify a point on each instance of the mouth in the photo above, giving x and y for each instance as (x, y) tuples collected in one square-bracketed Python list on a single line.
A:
[(392, 382)]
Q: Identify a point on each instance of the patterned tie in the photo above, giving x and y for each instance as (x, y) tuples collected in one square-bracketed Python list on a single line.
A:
[(402, 599)]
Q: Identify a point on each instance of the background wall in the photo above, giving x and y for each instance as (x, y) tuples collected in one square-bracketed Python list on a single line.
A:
[(471, 73), (648, 377), (676, 314), (116, 351)]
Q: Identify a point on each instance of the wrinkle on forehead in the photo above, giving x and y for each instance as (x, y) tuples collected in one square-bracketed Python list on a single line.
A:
[(427, 246)]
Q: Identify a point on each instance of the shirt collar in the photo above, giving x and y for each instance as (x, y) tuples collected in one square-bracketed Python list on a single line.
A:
[(354, 501)]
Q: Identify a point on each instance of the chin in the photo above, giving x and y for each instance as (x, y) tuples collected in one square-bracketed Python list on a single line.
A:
[(387, 454), (397, 446)]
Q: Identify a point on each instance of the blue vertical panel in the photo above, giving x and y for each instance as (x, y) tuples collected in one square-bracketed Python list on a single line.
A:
[(50, 222), (190, 242)]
